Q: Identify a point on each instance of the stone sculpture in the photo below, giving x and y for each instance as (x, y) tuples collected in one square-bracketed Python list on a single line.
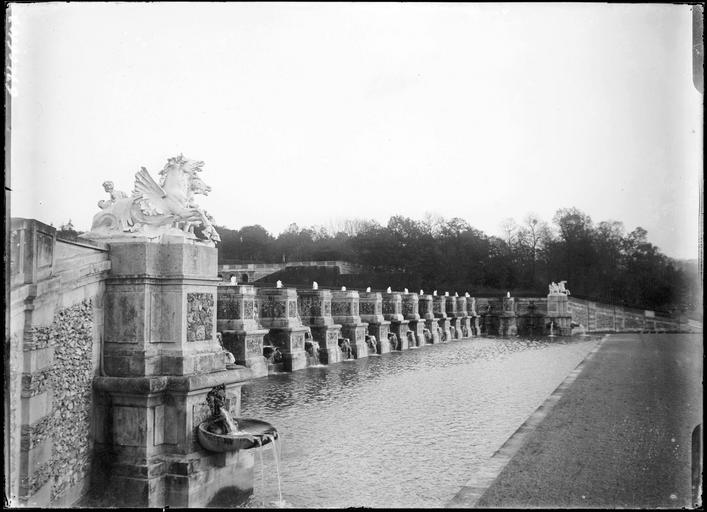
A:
[(278, 284), (558, 288), (315, 285), (155, 209)]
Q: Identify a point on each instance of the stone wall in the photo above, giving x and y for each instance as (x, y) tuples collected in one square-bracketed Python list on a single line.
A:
[(65, 431), (56, 317)]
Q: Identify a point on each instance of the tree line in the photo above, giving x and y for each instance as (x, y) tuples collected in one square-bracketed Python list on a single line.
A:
[(600, 261)]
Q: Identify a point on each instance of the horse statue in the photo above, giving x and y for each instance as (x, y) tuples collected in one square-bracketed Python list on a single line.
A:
[(155, 209)]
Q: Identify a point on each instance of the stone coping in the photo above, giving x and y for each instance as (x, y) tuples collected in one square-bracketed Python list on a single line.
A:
[(143, 385)]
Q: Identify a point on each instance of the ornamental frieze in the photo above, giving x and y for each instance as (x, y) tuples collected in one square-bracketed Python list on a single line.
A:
[(298, 341), (200, 314), (368, 308), (254, 346), (249, 309), (340, 308), (228, 308)]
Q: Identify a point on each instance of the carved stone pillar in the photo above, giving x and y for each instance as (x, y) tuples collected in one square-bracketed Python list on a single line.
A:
[(464, 319), (279, 314), (162, 357), (237, 321), (508, 318), (440, 312), (426, 310), (315, 312), (393, 312), (345, 311), (412, 315), (371, 309)]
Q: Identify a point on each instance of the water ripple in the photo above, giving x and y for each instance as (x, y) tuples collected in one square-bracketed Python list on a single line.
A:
[(402, 430)]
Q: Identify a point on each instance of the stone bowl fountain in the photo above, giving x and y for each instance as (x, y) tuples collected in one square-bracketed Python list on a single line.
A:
[(251, 434), (223, 433)]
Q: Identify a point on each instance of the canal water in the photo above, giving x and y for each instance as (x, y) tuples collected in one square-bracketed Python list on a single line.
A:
[(403, 429)]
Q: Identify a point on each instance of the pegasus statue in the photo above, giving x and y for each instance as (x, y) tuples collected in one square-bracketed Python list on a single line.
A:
[(154, 208)]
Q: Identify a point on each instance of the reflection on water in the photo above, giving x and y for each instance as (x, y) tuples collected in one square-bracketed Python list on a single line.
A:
[(404, 429)]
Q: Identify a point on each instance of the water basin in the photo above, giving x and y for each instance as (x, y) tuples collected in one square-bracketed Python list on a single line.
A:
[(252, 433)]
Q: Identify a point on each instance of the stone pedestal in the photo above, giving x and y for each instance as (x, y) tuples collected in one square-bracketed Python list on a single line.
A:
[(507, 319), (393, 312), (315, 312), (558, 313), (345, 311), (439, 305), (236, 320), (161, 356), (279, 314), (426, 310), (464, 319), (471, 310), (371, 309), (411, 306)]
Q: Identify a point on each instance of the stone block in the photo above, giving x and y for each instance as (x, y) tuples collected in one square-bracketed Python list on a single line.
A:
[(417, 328), (132, 426), (36, 360), (35, 408), (35, 456)]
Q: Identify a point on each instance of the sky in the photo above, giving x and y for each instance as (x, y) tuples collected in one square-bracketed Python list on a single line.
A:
[(316, 113)]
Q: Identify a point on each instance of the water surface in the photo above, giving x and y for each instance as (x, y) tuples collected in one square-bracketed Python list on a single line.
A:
[(403, 429)]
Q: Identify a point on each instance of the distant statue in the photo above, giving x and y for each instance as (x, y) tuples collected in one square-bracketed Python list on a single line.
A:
[(405, 290), (315, 285), (388, 290), (156, 209), (456, 294), (278, 284), (467, 295), (446, 294), (554, 288), (561, 288), (508, 295), (434, 293), (422, 292), (234, 280), (343, 288), (368, 290)]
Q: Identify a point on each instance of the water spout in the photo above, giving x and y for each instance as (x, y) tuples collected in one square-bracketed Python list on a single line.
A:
[(312, 349), (345, 346)]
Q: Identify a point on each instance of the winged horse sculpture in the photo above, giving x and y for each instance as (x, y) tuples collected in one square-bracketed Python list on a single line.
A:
[(158, 208)]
